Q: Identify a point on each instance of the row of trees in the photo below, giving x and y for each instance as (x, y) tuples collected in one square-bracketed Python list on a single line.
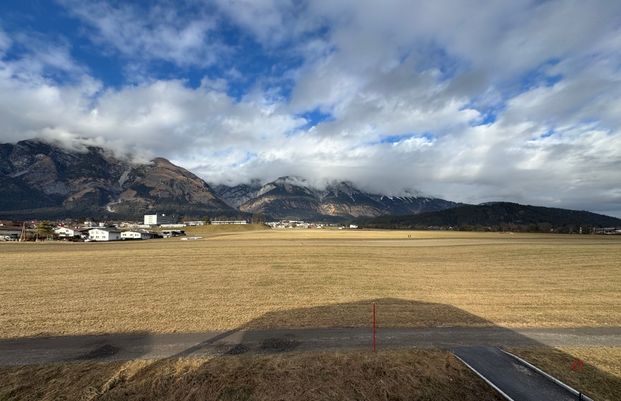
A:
[(532, 228)]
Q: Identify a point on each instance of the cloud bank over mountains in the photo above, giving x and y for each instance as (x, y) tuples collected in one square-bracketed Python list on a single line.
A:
[(470, 101)]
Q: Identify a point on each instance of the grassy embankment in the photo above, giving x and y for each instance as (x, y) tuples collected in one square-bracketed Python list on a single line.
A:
[(410, 375)]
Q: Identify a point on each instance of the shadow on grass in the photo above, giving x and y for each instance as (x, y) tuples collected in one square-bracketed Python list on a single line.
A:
[(286, 332)]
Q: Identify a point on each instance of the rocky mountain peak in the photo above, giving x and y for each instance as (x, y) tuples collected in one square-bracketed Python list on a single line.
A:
[(292, 197), (160, 161), (43, 178)]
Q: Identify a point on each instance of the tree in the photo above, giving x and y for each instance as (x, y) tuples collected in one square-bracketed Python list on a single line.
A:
[(44, 229), (207, 220)]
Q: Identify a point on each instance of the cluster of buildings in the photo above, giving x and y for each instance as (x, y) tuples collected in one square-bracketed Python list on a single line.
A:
[(303, 224), (293, 224), (171, 221), (103, 233), (158, 225), (168, 227), (114, 234), (607, 231)]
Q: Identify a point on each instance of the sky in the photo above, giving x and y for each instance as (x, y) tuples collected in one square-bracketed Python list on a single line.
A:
[(468, 100)]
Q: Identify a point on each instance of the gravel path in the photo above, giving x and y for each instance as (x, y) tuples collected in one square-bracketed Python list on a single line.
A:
[(36, 350)]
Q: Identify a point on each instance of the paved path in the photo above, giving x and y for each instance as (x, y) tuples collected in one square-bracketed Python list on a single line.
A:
[(157, 346), (516, 380)]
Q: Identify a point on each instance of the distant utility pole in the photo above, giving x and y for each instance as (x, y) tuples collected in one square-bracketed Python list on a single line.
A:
[(22, 235)]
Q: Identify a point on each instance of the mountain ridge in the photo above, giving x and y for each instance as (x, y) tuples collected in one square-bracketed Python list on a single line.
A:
[(48, 180), (291, 197), (45, 179), (498, 216)]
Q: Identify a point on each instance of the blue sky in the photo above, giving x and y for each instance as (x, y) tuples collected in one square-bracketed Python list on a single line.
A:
[(472, 102)]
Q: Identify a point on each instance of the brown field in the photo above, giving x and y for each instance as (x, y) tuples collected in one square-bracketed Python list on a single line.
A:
[(244, 277), (254, 278)]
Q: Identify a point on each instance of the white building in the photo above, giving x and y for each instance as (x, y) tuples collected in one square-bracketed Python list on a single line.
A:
[(159, 218), (104, 234), (66, 232), (216, 222), (135, 235), (10, 233), (195, 223)]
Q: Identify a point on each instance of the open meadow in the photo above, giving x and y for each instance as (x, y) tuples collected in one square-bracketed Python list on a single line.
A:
[(230, 279), (250, 278)]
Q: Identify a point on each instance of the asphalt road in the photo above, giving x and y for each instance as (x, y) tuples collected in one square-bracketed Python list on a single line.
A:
[(516, 380), (109, 347)]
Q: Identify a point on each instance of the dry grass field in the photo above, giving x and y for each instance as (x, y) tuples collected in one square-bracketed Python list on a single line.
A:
[(247, 277), (264, 278)]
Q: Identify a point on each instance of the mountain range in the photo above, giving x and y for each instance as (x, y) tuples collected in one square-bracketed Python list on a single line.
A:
[(294, 198), (45, 180)]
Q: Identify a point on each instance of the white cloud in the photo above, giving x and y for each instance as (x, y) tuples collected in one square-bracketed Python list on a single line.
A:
[(5, 42), (271, 21), (407, 86), (160, 32)]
